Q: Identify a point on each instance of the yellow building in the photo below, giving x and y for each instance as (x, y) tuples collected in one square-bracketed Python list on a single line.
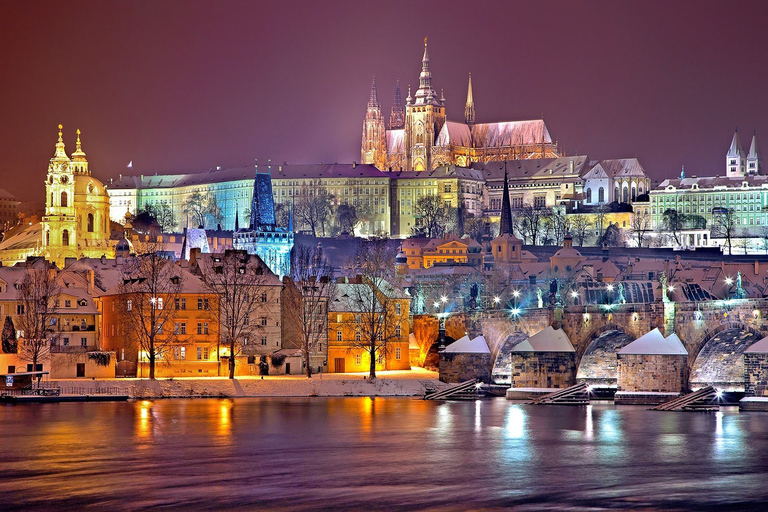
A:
[(76, 220), (346, 334), (425, 252)]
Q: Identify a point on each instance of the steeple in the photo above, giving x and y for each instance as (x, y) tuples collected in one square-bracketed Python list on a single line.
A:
[(506, 207), (469, 109), (373, 100), (60, 155), (79, 163), (753, 158), (426, 95), (397, 114), (735, 160)]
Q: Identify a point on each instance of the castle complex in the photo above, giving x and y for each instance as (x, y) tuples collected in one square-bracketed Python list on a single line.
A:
[(420, 138)]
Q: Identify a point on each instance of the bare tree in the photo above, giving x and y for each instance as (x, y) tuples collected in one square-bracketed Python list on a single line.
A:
[(724, 226), (282, 215), (432, 216), (601, 213), (579, 228), (639, 226), (201, 207), (313, 208), (308, 290), (530, 222), (375, 302), (346, 218), (673, 223), (556, 225), (38, 294), (9, 337), (148, 292), (242, 282)]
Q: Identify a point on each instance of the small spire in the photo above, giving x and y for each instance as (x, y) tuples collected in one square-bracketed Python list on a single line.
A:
[(373, 100), (408, 98), (506, 207), (469, 109), (60, 154), (79, 154), (682, 173), (442, 96)]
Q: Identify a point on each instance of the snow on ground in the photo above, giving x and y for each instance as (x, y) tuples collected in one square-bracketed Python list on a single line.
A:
[(387, 383)]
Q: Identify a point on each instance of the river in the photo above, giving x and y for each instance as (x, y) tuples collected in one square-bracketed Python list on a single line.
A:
[(377, 454)]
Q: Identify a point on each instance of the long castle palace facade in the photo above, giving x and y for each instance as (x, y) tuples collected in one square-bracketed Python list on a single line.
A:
[(420, 138)]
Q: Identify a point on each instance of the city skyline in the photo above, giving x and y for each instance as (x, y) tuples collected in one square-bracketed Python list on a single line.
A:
[(145, 83)]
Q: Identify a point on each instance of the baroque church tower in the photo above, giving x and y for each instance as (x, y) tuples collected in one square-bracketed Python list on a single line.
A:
[(424, 118), (374, 149), (76, 220)]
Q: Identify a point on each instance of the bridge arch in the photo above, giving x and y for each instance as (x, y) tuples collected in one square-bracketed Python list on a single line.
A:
[(598, 364), (717, 358)]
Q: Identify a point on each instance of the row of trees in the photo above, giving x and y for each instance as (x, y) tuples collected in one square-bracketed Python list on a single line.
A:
[(314, 209)]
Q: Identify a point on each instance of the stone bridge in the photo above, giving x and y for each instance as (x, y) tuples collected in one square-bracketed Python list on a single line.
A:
[(714, 333)]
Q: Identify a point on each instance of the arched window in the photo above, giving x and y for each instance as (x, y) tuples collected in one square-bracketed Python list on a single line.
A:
[(634, 192), (616, 194), (90, 223), (589, 195), (63, 199), (65, 237), (51, 198), (601, 195), (47, 238), (625, 195)]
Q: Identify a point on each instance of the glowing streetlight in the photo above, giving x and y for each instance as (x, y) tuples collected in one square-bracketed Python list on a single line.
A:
[(516, 293), (610, 287), (574, 294), (728, 281), (444, 299), (496, 300)]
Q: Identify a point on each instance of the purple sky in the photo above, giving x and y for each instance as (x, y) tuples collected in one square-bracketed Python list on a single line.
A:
[(186, 86)]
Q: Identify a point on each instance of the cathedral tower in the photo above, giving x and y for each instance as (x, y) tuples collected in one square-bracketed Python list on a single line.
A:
[(424, 118), (374, 136), (735, 160), (60, 222), (469, 109), (397, 114), (753, 158)]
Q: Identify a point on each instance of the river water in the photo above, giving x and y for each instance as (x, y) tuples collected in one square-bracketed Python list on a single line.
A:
[(377, 454)]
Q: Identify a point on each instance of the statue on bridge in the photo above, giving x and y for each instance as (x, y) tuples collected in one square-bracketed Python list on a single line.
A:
[(622, 300), (663, 281), (740, 292), (539, 298)]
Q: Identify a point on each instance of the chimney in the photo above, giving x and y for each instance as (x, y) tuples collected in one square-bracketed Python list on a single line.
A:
[(91, 280), (570, 166), (757, 268), (354, 164), (193, 254)]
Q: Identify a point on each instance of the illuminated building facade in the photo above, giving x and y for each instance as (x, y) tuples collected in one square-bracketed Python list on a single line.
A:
[(426, 140)]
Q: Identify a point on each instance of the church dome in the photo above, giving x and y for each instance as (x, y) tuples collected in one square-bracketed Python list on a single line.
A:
[(89, 185)]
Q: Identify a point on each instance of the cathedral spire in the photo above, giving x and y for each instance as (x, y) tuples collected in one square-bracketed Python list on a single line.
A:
[(506, 208), (79, 154), (426, 95), (397, 113), (373, 100), (469, 109)]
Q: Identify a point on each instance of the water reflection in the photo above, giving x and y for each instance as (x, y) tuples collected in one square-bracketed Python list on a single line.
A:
[(382, 454)]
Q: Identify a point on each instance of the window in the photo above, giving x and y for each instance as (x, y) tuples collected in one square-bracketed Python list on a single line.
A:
[(199, 328), (338, 335), (200, 303), (397, 331), (183, 327), (264, 320), (65, 341), (199, 352), (205, 327), (398, 308), (176, 328), (64, 201), (19, 309), (338, 318), (205, 353), (90, 223), (180, 303), (264, 340), (206, 305), (358, 359), (264, 297), (397, 353), (129, 305), (83, 342), (601, 195), (358, 336), (182, 352), (65, 237)]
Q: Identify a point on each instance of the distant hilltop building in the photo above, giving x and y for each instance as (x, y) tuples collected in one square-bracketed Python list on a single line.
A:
[(420, 138), (76, 220)]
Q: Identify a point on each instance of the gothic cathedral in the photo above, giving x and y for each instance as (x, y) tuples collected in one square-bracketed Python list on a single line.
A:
[(419, 137)]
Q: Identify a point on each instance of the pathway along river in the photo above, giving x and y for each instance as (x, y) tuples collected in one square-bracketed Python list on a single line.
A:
[(376, 454)]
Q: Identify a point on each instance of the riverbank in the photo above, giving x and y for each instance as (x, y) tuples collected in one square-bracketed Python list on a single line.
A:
[(387, 383)]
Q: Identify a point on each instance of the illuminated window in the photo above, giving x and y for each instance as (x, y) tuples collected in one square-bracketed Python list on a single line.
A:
[(358, 336), (358, 359), (129, 305), (338, 335), (90, 223), (397, 353), (183, 326)]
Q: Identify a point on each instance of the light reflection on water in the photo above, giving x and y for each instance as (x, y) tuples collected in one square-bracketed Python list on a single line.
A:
[(376, 454)]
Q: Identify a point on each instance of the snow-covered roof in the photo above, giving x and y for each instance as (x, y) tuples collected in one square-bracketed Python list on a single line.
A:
[(510, 133), (759, 347), (655, 343), (548, 340), (466, 346), (395, 141), (456, 134)]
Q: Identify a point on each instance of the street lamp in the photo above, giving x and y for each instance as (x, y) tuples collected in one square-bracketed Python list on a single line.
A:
[(516, 294), (575, 296), (729, 282)]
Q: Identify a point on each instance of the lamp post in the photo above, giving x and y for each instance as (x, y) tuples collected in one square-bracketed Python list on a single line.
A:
[(575, 296), (729, 282)]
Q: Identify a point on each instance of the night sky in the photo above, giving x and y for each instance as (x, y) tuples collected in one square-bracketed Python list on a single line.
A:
[(186, 86)]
